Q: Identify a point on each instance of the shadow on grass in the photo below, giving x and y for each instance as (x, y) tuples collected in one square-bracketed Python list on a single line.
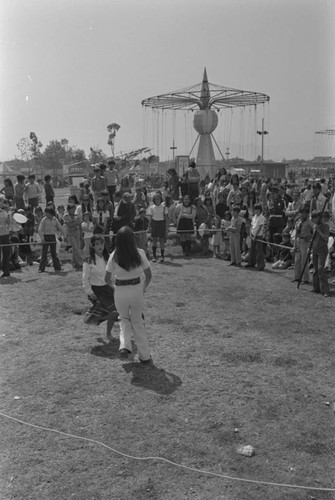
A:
[(152, 378), (107, 350), (9, 280)]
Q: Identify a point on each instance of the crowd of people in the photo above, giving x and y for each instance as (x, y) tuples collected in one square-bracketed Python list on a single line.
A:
[(113, 228)]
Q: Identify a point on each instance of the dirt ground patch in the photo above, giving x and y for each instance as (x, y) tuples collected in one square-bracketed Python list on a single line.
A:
[(240, 358)]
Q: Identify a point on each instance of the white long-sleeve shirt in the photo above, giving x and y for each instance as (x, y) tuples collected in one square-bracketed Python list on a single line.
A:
[(94, 274)]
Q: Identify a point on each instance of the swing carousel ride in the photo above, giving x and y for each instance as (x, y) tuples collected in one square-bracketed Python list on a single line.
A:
[(205, 100)]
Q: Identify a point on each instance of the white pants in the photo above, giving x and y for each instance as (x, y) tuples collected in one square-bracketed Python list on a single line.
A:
[(129, 302)]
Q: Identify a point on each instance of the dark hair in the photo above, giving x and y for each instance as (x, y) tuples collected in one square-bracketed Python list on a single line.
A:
[(47, 178), (9, 182), (117, 194), (126, 254), (74, 198), (49, 210), (20, 178), (93, 240), (70, 206)]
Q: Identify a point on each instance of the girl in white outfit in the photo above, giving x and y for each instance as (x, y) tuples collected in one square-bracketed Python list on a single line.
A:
[(124, 271)]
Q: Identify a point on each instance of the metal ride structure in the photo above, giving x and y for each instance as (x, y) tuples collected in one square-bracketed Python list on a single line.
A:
[(205, 99)]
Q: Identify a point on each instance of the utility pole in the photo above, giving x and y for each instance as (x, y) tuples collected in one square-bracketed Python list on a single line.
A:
[(227, 154), (262, 133), (173, 147)]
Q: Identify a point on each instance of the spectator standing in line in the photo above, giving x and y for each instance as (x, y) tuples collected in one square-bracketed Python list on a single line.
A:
[(158, 225), (4, 239), (98, 183), (185, 214), (318, 199), (112, 178), (32, 191), (193, 179), (234, 231), (47, 230), (174, 183), (19, 190), (256, 254), (49, 190), (303, 236), (125, 213), (8, 190), (320, 252)]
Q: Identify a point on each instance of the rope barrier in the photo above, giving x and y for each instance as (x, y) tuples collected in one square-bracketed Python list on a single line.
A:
[(166, 460)]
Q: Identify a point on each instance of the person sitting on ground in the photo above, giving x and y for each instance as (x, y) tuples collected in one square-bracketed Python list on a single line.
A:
[(284, 259)]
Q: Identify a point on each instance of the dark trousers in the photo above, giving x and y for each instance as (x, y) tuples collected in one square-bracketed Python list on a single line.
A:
[(33, 202), (5, 251), (256, 254), (320, 277), (49, 241), (111, 190), (193, 191)]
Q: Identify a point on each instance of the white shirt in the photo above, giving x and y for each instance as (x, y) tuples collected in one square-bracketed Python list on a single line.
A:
[(121, 274), (157, 212), (256, 222), (94, 274)]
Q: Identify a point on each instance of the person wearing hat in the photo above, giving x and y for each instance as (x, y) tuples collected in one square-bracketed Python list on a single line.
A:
[(318, 200), (112, 178), (98, 183)]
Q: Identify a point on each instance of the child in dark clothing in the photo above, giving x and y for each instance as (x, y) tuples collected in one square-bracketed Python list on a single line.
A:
[(284, 256)]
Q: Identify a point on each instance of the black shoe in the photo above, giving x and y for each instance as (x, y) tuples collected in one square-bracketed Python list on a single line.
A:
[(124, 353), (41, 271), (232, 264), (249, 265)]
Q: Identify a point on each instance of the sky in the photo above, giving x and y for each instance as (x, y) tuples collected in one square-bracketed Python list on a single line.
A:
[(71, 67)]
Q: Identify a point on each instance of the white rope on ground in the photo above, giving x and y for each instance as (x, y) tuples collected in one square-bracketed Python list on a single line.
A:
[(162, 459)]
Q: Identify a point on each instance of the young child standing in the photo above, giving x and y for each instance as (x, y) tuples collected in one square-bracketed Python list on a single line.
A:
[(216, 238), (87, 229), (158, 224), (74, 235), (256, 254), (234, 232)]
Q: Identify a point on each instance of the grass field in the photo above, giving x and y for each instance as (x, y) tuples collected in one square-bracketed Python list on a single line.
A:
[(240, 358)]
